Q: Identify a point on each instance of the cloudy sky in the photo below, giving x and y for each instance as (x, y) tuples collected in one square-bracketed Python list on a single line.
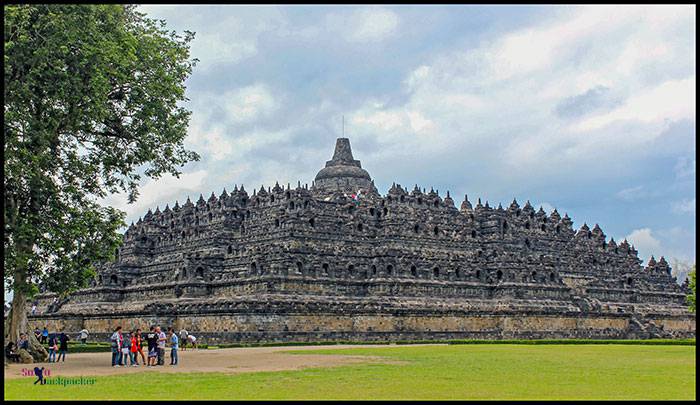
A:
[(590, 110)]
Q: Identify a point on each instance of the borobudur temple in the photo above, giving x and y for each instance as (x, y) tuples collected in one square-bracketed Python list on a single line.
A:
[(323, 263)]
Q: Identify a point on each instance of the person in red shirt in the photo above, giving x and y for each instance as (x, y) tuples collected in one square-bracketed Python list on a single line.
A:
[(133, 350), (139, 346)]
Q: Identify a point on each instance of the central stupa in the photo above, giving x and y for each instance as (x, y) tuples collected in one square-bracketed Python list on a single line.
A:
[(343, 174)]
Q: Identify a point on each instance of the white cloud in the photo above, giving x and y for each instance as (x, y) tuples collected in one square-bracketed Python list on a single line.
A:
[(685, 167), (386, 121), (670, 101), (212, 143), (219, 137), (547, 207), (370, 24), (221, 37), (672, 243), (645, 242), (685, 206), (249, 103), (417, 76), (680, 268), (632, 193), (498, 101), (256, 139), (374, 24), (158, 192), (213, 49)]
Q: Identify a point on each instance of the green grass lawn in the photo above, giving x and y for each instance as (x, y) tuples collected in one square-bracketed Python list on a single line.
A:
[(426, 372)]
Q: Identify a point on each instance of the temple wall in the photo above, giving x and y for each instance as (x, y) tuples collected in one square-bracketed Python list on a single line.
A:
[(322, 286), (255, 327)]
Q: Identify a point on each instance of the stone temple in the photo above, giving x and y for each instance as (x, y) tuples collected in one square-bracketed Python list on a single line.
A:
[(317, 264)]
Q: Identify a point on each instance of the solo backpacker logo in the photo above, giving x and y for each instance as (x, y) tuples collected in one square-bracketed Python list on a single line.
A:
[(39, 372), (43, 378)]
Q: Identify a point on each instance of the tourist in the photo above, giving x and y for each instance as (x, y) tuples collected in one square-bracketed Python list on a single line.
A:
[(183, 338), (193, 340), (45, 335), (116, 346), (139, 346), (54, 305), (53, 348), (83, 336), (173, 346), (161, 346), (126, 350), (11, 353), (33, 309), (23, 342), (134, 350), (152, 339), (63, 346), (37, 334)]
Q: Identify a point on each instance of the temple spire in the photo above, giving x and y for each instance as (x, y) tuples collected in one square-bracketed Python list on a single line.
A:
[(343, 152)]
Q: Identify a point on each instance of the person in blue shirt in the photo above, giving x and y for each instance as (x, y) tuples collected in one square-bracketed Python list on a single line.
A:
[(45, 335), (174, 341), (53, 348), (23, 342)]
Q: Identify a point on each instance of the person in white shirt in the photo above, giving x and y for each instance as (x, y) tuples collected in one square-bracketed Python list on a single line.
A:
[(161, 346), (193, 341), (117, 341), (83, 336)]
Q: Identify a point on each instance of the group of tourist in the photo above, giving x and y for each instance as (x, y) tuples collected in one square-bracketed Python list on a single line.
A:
[(127, 347), (57, 344), (12, 349), (43, 336)]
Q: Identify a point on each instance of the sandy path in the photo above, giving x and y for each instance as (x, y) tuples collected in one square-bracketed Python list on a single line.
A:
[(234, 360)]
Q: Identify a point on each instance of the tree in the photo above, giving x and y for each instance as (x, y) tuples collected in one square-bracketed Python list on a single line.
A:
[(93, 99), (691, 296)]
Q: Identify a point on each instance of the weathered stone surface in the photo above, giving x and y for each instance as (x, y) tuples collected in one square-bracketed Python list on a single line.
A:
[(317, 263), (36, 349), (25, 357)]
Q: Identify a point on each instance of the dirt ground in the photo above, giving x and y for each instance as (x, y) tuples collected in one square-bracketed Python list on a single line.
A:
[(234, 360)]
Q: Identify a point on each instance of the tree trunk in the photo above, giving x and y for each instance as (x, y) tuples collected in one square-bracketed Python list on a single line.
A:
[(37, 350), (19, 324), (18, 315)]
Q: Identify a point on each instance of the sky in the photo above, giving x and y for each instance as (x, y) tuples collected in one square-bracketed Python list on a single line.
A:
[(587, 109)]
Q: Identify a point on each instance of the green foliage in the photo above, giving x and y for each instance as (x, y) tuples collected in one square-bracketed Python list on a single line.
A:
[(92, 104), (87, 348), (486, 372), (691, 296)]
